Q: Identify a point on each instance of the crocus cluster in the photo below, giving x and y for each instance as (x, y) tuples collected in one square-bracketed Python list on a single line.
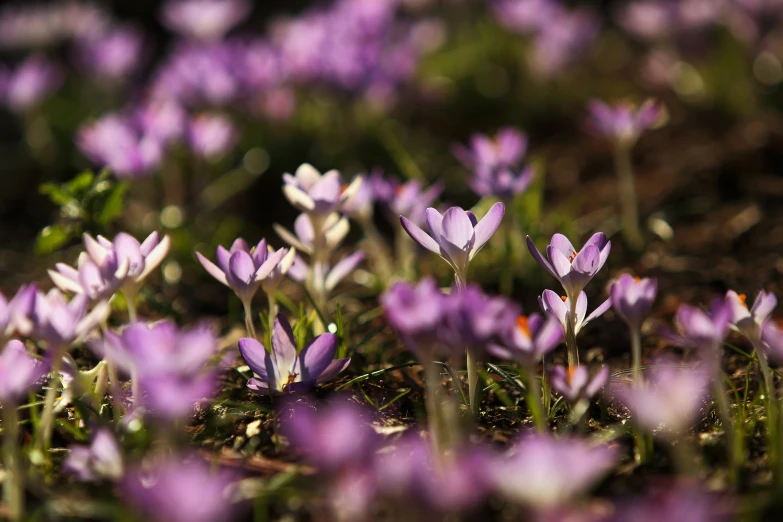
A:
[(496, 164)]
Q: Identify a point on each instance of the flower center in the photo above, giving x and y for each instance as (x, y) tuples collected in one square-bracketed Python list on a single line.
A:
[(523, 325), (290, 380), (572, 256), (743, 299), (564, 298)]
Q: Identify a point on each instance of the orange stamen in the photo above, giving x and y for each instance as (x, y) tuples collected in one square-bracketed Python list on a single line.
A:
[(564, 298), (572, 257), (743, 298), (522, 325)]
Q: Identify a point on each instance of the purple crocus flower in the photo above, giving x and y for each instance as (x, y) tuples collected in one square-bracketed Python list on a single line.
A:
[(204, 19), (31, 82), (285, 370), (417, 313), (159, 348), (117, 142), (444, 483), (474, 319), (750, 321), (96, 282), (102, 459), (15, 313), (211, 136), (560, 307), (670, 399), (113, 55), (172, 397), (245, 270), (487, 154), (178, 490), (529, 339), (772, 337), (164, 120), (544, 473), (19, 372), (494, 161), (677, 501), (623, 122), (575, 382), (333, 438), (573, 268), (142, 258), (410, 199), (43, 24), (456, 236), (316, 194), (60, 322), (702, 329), (334, 229), (632, 298)]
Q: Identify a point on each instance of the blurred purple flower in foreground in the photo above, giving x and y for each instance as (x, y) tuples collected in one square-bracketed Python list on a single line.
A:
[(102, 459), (623, 122), (750, 321), (474, 319), (204, 19), (15, 313), (333, 437), (529, 339), (670, 399), (772, 337), (544, 473), (417, 313), (576, 383), (245, 270), (19, 372), (632, 298), (452, 482), (60, 322), (573, 268), (456, 236), (175, 491), (675, 502), (41, 24), (285, 370), (31, 82)]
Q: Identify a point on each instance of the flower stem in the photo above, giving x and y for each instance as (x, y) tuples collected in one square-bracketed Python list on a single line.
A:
[(273, 308), (47, 417), (406, 255), (772, 406), (627, 194), (722, 403), (131, 293), (636, 353), (473, 389), (432, 384), (534, 400), (116, 392), (251, 329), (13, 484), (573, 350)]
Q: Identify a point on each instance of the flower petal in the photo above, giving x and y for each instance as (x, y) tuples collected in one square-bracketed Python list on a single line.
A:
[(487, 227), (155, 257), (541, 260), (283, 345), (258, 358), (344, 267), (316, 357), (335, 367), (419, 236)]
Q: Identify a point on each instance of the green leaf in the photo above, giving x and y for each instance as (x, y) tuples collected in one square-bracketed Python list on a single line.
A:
[(80, 184), (56, 194), (52, 238), (113, 205)]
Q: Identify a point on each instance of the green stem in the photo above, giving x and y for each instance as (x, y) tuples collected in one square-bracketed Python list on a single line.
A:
[(406, 255), (251, 329), (473, 389), (534, 402), (116, 392), (47, 417), (772, 406), (13, 484), (627, 194), (636, 353), (273, 309), (432, 384), (722, 402), (507, 274), (573, 350), (682, 452), (131, 293)]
